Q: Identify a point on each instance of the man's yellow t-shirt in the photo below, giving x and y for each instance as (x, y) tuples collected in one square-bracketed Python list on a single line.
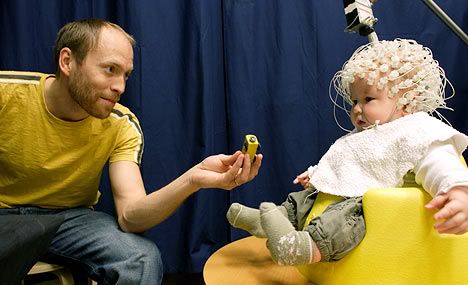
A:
[(51, 163)]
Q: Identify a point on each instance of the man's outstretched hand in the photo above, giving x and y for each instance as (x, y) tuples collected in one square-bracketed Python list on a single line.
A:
[(225, 171)]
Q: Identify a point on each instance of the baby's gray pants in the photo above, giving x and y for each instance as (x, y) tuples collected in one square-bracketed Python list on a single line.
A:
[(338, 230)]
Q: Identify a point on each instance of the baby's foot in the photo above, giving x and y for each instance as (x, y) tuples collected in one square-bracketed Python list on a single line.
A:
[(245, 218), (287, 246)]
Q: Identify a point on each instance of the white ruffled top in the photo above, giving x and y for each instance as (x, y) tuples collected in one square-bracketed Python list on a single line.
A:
[(379, 157)]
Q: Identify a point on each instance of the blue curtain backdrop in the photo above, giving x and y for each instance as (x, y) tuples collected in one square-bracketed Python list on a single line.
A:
[(208, 72)]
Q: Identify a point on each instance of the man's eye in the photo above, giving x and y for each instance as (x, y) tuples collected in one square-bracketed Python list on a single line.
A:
[(110, 69)]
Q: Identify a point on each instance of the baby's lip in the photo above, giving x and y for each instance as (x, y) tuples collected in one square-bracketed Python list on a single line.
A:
[(362, 123)]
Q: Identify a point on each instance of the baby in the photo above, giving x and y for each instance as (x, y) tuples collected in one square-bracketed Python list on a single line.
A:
[(392, 88)]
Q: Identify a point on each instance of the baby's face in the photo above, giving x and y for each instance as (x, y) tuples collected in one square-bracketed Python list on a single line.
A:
[(371, 104)]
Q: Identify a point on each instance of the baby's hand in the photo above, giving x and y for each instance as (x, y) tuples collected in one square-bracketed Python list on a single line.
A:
[(302, 178), (452, 217)]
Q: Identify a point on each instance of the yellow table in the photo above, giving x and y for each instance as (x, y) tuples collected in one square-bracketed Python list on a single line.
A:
[(248, 262)]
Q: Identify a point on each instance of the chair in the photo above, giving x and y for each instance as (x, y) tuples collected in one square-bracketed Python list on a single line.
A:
[(400, 245), (63, 274)]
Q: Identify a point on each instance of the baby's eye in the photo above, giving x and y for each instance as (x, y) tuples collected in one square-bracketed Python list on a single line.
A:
[(354, 101), (368, 99)]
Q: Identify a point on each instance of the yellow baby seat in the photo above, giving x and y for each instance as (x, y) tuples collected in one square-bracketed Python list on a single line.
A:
[(400, 245)]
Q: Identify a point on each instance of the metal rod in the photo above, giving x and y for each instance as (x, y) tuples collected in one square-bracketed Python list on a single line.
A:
[(446, 19)]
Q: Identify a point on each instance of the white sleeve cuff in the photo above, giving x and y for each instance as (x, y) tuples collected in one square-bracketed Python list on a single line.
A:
[(441, 169)]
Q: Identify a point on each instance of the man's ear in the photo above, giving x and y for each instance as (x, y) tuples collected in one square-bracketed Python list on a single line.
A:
[(65, 60)]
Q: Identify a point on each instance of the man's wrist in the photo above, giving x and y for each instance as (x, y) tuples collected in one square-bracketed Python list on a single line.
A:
[(192, 179)]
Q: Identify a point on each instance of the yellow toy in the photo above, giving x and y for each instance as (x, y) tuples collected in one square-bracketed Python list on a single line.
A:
[(250, 146)]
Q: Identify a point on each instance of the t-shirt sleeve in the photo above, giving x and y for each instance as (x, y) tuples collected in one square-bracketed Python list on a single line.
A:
[(130, 142)]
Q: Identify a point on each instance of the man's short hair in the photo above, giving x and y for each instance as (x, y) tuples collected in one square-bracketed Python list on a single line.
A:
[(82, 36)]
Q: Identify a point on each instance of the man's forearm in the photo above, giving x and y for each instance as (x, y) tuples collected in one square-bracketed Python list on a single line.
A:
[(154, 208)]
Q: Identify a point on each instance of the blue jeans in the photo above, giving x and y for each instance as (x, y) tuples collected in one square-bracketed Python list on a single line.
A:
[(93, 241)]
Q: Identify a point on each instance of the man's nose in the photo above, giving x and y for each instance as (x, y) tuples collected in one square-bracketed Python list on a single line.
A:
[(118, 85)]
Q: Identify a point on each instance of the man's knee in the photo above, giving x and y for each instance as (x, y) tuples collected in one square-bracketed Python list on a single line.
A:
[(147, 257), (143, 250), (136, 260), (151, 253)]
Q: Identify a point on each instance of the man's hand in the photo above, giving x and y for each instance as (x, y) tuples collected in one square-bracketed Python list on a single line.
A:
[(452, 216), (225, 171)]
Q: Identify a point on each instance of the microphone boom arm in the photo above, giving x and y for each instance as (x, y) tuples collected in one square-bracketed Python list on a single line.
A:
[(446, 19)]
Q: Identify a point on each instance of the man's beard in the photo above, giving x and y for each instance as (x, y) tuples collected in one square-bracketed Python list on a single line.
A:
[(81, 92)]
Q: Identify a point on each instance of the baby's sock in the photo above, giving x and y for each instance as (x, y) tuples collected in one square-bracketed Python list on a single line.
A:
[(287, 246), (245, 218)]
